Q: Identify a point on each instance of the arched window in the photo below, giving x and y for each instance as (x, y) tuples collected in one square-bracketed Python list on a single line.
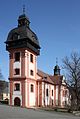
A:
[(52, 92), (31, 72), (47, 92), (32, 88)]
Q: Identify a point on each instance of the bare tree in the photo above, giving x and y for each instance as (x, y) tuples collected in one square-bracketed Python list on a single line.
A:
[(2, 84), (1, 76), (72, 66)]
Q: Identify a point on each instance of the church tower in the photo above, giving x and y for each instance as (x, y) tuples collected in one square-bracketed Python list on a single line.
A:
[(56, 69), (23, 47)]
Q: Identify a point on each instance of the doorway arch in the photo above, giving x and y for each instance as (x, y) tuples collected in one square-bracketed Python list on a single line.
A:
[(17, 101)]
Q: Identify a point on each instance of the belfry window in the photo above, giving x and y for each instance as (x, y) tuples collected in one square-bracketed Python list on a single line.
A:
[(17, 56)]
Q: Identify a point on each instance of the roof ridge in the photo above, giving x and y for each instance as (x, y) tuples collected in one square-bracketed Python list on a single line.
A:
[(44, 72)]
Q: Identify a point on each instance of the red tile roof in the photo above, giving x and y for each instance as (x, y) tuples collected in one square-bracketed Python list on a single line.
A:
[(44, 76), (56, 80)]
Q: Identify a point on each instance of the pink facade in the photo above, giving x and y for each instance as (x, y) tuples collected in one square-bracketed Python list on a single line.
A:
[(24, 78), (46, 90), (28, 86), (52, 90)]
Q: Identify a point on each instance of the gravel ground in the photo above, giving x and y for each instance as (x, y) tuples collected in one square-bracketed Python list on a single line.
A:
[(8, 112)]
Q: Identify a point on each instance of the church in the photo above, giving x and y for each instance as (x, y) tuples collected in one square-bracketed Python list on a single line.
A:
[(29, 86)]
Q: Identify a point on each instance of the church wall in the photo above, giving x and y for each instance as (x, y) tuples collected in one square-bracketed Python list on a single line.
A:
[(26, 94), (47, 98), (23, 93), (16, 93), (43, 94), (51, 99), (26, 64), (37, 93), (31, 96), (14, 96), (57, 95), (32, 66), (17, 65), (52, 96), (11, 64), (40, 94), (11, 92), (64, 96), (22, 63)]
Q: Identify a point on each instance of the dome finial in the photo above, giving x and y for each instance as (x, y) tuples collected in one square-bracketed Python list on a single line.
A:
[(56, 61), (23, 8), (23, 20), (56, 68)]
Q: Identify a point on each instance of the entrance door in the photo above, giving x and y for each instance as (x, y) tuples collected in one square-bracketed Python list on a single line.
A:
[(17, 101)]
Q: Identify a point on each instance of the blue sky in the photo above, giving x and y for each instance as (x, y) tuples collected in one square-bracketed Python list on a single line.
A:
[(56, 23)]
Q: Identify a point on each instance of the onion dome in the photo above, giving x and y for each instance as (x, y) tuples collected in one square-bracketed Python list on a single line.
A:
[(22, 36), (56, 70)]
